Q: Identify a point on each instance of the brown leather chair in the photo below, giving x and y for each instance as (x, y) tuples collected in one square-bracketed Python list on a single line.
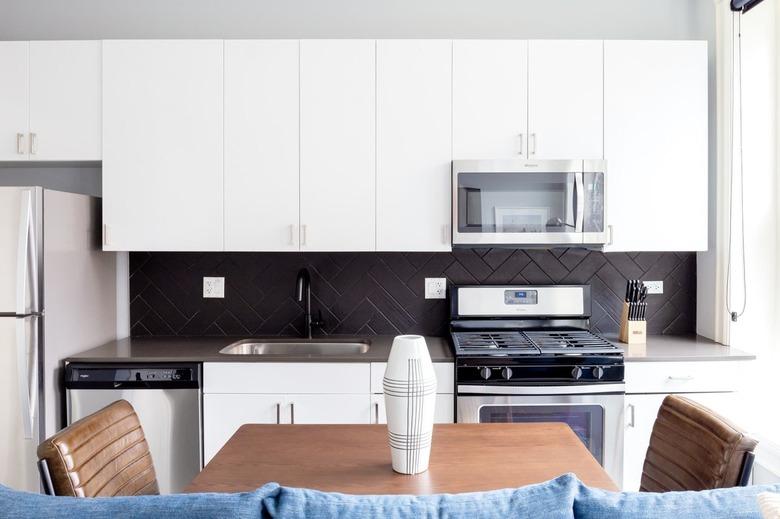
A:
[(692, 448), (104, 454)]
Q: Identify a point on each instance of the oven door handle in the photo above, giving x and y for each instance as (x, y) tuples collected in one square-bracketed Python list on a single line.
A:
[(585, 389)]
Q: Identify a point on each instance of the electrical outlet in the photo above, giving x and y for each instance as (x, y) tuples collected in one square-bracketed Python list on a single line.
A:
[(213, 287), (435, 288), (654, 287)]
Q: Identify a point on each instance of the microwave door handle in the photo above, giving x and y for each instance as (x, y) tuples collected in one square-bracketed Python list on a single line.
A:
[(579, 202)]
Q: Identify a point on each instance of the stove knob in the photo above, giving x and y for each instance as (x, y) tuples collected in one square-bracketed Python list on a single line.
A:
[(598, 372), (506, 373), (485, 373), (576, 373)]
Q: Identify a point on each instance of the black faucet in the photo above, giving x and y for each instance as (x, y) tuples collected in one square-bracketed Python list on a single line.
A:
[(303, 289)]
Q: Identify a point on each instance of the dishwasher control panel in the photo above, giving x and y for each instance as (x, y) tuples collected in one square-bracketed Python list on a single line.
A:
[(83, 375)]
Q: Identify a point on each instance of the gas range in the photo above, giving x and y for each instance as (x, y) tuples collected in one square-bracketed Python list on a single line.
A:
[(516, 335)]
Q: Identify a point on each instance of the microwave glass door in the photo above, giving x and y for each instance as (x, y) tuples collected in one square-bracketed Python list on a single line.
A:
[(586, 420), (517, 203)]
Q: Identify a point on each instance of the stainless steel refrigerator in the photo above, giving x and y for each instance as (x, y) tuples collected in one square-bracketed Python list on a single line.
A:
[(57, 297)]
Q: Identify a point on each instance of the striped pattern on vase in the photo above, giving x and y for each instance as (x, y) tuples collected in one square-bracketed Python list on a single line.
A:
[(410, 399)]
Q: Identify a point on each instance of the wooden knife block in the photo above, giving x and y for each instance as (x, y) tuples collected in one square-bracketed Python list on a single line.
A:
[(631, 332)]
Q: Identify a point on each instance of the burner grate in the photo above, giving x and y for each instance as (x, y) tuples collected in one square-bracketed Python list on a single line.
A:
[(492, 341), (551, 342), (547, 340)]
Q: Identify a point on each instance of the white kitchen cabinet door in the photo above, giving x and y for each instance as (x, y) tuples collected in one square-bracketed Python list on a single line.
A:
[(261, 145), (223, 414), (655, 144), (565, 99), (338, 168), (489, 99), (414, 145), (162, 145), (329, 409), (444, 413), (14, 100), (65, 100)]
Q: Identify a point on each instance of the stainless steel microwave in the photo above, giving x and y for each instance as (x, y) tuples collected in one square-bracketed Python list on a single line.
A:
[(522, 202)]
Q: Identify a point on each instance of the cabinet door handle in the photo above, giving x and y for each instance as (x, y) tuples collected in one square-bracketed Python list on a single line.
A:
[(292, 412), (686, 378), (376, 412), (33, 143), (521, 144), (532, 144), (632, 415), (292, 234), (278, 413), (445, 234), (20, 143), (303, 234)]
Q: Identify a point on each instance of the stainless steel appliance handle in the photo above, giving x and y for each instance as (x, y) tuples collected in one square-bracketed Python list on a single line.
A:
[(583, 389), (292, 412), (20, 143), (611, 234), (278, 413), (632, 415), (579, 201)]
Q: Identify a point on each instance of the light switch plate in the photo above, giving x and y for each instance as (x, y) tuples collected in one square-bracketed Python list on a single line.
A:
[(213, 287), (435, 288), (654, 287)]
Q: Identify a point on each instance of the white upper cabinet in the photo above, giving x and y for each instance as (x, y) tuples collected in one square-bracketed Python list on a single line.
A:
[(566, 99), (261, 145), (655, 144), (14, 96), (414, 144), (65, 100), (338, 146), (490, 99), (50, 100), (162, 145)]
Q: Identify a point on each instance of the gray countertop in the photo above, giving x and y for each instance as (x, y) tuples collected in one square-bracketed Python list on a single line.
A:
[(206, 349), (679, 348)]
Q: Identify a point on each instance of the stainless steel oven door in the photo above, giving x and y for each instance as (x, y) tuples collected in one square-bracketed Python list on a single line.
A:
[(597, 419)]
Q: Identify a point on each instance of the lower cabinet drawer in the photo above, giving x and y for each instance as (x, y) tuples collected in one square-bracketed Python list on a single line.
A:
[(286, 377), (684, 377)]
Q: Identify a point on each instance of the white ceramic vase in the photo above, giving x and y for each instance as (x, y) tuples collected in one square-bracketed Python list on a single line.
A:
[(410, 401)]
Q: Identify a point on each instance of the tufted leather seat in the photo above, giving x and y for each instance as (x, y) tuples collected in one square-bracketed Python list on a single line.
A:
[(103, 454), (692, 448)]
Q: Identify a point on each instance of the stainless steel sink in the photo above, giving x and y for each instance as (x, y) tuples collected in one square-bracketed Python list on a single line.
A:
[(296, 347)]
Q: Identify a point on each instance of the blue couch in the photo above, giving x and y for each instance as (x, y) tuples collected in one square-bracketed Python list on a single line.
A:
[(562, 498)]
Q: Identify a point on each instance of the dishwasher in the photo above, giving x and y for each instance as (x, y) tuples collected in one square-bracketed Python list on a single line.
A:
[(167, 399)]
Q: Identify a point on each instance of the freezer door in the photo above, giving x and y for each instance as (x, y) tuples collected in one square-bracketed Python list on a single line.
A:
[(19, 402), (20, 241)]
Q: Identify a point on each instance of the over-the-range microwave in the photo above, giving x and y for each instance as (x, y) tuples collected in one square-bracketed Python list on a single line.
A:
[(526, 202)]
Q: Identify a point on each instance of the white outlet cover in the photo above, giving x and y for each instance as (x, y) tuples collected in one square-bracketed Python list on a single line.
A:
[(435, 288), (213, 287), (654, 287)]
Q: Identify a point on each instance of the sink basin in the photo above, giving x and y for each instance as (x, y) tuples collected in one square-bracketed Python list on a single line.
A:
[(297, 347)]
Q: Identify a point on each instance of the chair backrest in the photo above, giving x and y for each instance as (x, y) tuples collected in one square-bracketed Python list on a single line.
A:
[(692, 448), (103, 454)]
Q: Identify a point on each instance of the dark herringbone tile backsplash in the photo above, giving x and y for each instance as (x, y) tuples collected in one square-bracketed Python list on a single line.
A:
[(382, 293)]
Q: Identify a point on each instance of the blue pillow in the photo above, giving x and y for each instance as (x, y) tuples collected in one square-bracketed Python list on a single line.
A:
[(247, 505), (551, 500), (726, 503)]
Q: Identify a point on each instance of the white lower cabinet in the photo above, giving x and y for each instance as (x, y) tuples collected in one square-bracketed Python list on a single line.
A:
[(445, 409), (445, 388), (648, 383)]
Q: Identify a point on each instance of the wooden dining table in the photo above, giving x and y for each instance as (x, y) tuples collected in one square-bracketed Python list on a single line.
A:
[(355, 459)]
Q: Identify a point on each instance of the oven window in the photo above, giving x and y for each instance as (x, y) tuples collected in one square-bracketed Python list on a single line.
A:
[(587, 421), (516, 202)]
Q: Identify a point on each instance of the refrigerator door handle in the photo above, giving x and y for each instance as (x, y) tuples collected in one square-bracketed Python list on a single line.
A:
[(28, 388)]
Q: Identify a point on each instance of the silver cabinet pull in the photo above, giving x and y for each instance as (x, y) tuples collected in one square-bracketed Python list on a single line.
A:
[(33, 143), (632, 416), (376, 412), (521, 145), (20, 143), (303, 234), (686, 378), (532, 144), (292, 412), (292, 234), (278, 413), (445, 234)]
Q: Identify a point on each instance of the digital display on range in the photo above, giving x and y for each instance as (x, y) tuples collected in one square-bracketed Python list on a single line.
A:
[(521, 297)]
